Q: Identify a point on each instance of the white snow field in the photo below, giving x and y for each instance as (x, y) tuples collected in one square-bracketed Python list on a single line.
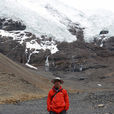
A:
[(50, 17)]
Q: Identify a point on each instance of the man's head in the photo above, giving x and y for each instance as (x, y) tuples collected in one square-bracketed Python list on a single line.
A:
[(57, 82)]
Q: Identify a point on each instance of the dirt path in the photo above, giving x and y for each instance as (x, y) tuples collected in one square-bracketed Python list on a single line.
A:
[(82, 103)]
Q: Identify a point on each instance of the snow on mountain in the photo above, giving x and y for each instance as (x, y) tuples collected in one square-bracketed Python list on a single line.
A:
[(49, 21), (22, 37), (52, 17), (36, 18)]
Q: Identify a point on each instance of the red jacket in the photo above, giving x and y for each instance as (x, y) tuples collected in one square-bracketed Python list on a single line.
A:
[(59, 102)]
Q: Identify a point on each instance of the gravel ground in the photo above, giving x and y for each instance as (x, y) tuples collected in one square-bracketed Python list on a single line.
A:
[(81, 103)]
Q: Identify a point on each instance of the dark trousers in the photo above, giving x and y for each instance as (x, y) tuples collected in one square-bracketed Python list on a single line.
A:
[(63, 112)]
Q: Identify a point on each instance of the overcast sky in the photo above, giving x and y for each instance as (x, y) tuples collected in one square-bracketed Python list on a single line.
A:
[(91, 4)]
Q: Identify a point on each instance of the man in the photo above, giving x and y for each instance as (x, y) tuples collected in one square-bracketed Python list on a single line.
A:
[(58, 100)]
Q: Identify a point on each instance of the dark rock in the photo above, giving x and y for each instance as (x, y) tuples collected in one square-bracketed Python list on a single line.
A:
[(109, 44), (12, 49), (104, 32), (9, 25), (82, 78), (103, 77), (76, 30), (79, 56), (39, 59)]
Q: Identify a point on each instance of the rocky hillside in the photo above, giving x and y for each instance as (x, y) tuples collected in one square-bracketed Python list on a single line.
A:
[(18, 83), (27, 48)]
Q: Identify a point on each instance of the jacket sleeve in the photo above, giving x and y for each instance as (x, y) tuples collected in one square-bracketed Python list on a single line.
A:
[(49, 102), (66, 101)]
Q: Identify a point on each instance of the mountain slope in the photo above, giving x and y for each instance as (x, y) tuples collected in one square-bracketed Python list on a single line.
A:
[(52, 18), (19, 83)]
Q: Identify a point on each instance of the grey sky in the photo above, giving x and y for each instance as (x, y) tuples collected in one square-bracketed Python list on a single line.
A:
[(91, 4)]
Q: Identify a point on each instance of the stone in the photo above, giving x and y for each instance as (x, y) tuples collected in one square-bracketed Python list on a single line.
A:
[(101, 105)]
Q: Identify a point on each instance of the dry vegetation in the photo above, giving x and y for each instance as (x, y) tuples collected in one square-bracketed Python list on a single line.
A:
[(17, 83)]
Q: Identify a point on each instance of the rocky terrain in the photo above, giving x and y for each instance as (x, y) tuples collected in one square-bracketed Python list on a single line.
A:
[(79, 103), (17, 83), (9, 25)]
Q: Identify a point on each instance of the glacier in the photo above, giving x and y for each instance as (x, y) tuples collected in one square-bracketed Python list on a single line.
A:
[(49, 17)]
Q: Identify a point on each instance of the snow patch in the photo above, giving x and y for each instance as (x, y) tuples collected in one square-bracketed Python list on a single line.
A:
[(20, 36), (30, 66)]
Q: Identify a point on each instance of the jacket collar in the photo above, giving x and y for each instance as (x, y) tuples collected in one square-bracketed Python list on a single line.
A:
[(55, 89)]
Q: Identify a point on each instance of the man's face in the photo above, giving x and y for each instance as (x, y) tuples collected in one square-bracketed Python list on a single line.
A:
[(57, 84)]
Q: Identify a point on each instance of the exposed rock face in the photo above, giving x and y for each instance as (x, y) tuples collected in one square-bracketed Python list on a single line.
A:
[(76, 30), (109, 44), (8, 46), (27, 47), (13, 49), (39, 59), (104, 32), (9, 25), (105, 42), (78, 56)]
